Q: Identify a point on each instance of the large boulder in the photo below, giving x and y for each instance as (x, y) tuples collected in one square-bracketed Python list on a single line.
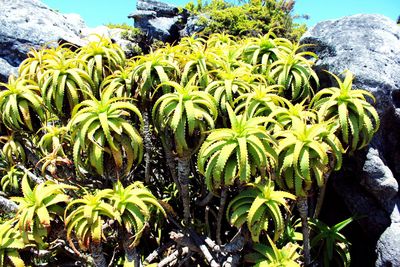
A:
[(388, 247), (159, 20), (26, 24), (369, 46)]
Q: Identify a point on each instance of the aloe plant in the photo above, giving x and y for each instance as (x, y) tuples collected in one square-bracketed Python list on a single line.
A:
[(21, 105), (54, 138), (105, 127), (85, 218), (133, 204), (152, 70), (333, 245), (264, 50), (10, 182), (32, 67), (10, 243), (234, 153), (303, 159), (304, 154), (63, 83), (38, 207), (149, 72), (228, 85), (272, 256), (191, 109), (120, 82), (12, 150), (293, 71), (262, 100), (358, 119), (100, 58), (199, 64), (256, 205)]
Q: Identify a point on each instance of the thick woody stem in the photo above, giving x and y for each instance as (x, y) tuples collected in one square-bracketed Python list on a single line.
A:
[(173, 257), (31, 175), (321, 195), (147, 144), (302, 207), (183, 177), (8, 205), (221, 214), (131, 254), (170, 159), (96, 251)]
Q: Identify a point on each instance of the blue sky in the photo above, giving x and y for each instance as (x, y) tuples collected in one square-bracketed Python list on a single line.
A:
[(99, 12)]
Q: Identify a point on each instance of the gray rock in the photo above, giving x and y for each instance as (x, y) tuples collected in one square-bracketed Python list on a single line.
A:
[(76, 20), (388, 247), (378, 179), (368, 46), (375, 219), (160, 8), (26, 24), (395, 215), (140, 14), (163, 26), (193, 25), (159, 20), (21, 31), (6, 70)]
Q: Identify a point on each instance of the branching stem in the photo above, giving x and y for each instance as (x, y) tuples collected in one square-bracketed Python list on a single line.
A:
[(302, 207), (221, 212), (8, 205)]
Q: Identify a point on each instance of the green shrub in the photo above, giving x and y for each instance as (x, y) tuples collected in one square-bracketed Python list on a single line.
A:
[(252, 18)]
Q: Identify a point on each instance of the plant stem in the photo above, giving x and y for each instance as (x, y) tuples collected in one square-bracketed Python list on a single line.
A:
[(131, 255), (221, 214), (97, 255), (183, 177), (302, 207), (232, 261), (173, 257), (147, 144), (207, 220), (203, 248), (158, 252), (8, 205), (321, 195), (170, 159), (31, 175), (320, 201), (206, 200)]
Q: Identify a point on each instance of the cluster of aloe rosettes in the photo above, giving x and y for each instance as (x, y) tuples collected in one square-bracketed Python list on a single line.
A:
[(237, 119)]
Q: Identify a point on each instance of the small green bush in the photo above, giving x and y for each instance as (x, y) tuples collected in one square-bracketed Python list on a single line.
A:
[(252, 18)]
